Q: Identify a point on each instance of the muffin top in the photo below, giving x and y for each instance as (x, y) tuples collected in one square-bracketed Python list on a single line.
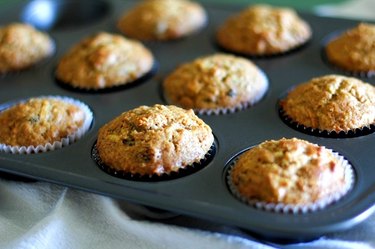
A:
[(39, 121), (162, 19), (154, 140), (215, 81), (22, 46), (104, 60), (354, 50), (289, 171), (331, 103), (263, 30)]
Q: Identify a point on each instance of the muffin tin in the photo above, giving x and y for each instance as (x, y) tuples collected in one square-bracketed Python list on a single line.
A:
[(203, 194)]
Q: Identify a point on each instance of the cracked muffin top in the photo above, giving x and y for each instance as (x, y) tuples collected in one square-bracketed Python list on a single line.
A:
[(332, 103), (154, 140), (215, 81), (289, 171), (263, 30), (39, 121), (162, 19), (21, 46), (354, 50), (104, 60)]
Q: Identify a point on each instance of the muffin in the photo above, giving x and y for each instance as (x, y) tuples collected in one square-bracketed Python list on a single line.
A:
[(331, 103), (262, 30), (162, 19), (215, 82), (156, 140), (290, 172), (22, 46), (104, 60), (354, 50), (43, 123)]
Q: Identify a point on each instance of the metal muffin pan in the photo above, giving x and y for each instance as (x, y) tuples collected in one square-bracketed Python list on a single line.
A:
[(203, 194)]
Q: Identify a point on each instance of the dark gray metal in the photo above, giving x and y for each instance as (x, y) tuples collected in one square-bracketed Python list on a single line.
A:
[(203, 194)]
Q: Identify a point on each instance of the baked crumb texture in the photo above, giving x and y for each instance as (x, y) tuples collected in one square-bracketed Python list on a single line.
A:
[(215, 82), (262, 30), (162, 19), (290, 172), (22, 46), (104, 60), (42, 121), (354, 50), (154, 140), (331, 103)]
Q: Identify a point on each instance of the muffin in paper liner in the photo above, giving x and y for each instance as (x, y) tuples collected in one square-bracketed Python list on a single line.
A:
[(229, 110), (287, 208), (181, 172), (353, 73), (351, 51), (52, 145), (153, 141), (23, 47), (332, 106), (104, 62), (263, 31), (162, 20), (215, 84)]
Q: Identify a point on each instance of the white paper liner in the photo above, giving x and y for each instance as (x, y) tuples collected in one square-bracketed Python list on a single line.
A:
[(57, 144), (298, 209), (230, 110)]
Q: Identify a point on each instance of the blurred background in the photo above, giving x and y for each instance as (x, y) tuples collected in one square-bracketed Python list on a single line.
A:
[(355, 9), (301, 5)]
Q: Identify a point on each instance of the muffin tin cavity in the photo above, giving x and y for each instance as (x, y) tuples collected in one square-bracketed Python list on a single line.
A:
[(294, 50), (141, 80), (182, 172), (64, 14), (322, 133)]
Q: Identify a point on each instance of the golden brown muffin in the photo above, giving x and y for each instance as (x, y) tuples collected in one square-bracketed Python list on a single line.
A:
[(154, 140), (263, 30), (162, 19), (288, 171), (39, 121), (22, 46), (104, 60), (215, 81), (331, 103), (354, 50)]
